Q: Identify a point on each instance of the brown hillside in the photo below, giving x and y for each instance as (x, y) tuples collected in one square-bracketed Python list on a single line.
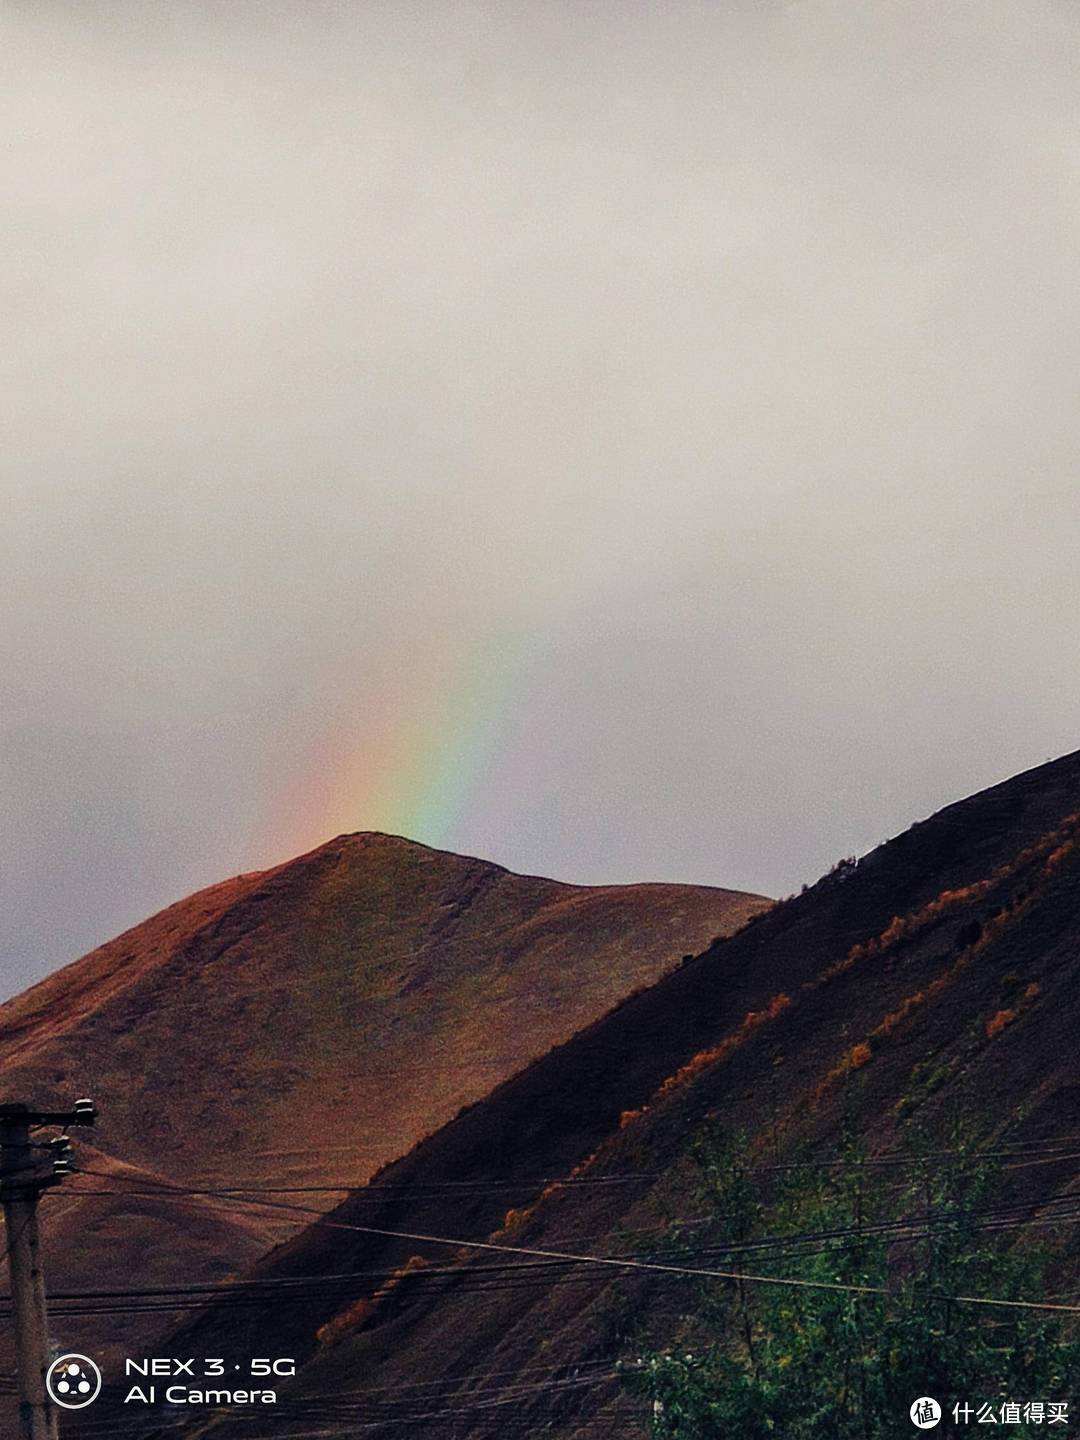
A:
[(937, 978), (305, 1025)]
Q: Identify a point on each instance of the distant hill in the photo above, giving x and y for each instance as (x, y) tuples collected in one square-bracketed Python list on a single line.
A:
[(937, 978), (303, 1026)]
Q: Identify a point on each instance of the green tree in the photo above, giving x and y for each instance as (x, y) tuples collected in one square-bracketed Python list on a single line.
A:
[(901, 1245)]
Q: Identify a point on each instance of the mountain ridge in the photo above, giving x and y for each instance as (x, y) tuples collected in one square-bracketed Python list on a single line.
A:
[(907, 989)]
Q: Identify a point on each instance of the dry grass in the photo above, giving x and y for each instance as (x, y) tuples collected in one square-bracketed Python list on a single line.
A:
[(361, 1311), (705, 1058), (1053, 849)]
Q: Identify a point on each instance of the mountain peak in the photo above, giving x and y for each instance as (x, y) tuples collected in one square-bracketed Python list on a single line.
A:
[(364, 991)]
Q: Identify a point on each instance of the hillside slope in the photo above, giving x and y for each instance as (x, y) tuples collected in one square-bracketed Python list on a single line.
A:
[(936, 978), (305, 1025)]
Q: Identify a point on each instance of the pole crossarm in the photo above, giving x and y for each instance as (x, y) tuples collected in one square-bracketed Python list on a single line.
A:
[(83, 1113)]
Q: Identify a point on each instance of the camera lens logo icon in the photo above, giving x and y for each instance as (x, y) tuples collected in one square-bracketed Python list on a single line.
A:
[(925, 1413), (73, 1382)]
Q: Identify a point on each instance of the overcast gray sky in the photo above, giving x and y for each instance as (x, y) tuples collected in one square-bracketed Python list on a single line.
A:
[(626, 441)]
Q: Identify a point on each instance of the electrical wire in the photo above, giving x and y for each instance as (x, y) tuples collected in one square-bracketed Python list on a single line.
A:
[(554, 1260), (625, 1263)]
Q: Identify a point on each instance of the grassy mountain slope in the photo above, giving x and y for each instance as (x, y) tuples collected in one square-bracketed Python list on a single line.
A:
[(936, 979), (304, 1025)]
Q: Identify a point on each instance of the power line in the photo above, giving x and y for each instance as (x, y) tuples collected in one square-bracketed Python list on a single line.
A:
[(1021, 1155), (799, 1245), (653, 1266), (166, 1190)]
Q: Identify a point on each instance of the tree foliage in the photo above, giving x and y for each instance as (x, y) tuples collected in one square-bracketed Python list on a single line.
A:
[(758, 1360)]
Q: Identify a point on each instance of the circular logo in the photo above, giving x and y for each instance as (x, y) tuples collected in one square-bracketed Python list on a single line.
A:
[(73, 1381), (925, 1413)]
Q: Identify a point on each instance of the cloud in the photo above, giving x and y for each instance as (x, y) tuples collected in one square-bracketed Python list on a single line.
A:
[(725, 353)]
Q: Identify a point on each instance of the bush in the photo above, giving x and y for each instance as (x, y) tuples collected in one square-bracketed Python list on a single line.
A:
[(999, 1022)]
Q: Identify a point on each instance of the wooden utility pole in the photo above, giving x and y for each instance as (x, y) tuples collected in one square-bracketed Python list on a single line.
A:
[(24, 1174), (18, 1175)]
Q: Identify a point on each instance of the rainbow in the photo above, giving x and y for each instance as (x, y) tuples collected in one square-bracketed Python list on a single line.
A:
[(410, 749)]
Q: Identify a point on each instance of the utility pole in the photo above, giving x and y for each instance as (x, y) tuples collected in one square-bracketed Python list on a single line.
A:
[(24, 1174)]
